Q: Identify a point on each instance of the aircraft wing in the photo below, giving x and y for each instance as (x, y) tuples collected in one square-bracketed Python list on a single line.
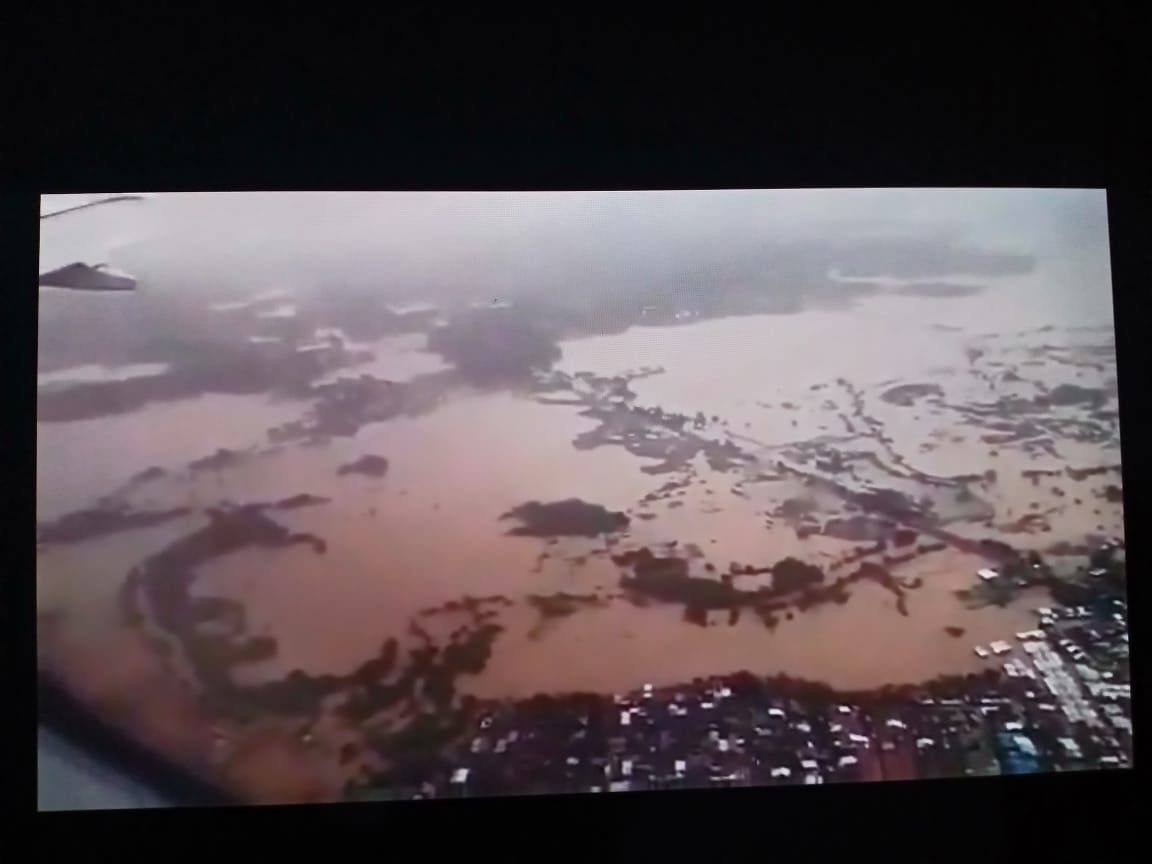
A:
[(78, 231), (83, 277)]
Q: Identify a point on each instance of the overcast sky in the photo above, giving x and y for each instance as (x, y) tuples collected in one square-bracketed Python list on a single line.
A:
[(457, 241)]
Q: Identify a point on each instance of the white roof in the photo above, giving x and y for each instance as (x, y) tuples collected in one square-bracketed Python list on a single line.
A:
[(625, 718), (723, 746), (897, 724), (725, 692), (987, 573), (626, 767), (1013, 726), (412, 308), (460, 775), (859, 739), (680, 765), (1025, 743), (284, 310), (924, 742), (809, 764), (781, 772), (775, 712), (848, 760), (706, 705), (843, 709)]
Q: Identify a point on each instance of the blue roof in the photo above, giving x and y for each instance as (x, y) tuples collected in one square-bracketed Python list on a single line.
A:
[(1018, 763)]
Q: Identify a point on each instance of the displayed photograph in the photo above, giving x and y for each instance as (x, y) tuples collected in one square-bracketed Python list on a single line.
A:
[(418, 495)]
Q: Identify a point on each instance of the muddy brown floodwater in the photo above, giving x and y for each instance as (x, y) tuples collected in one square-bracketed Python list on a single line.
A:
[(431, 523)]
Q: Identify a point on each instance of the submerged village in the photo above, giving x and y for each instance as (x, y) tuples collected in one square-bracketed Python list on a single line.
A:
[(838, 495)]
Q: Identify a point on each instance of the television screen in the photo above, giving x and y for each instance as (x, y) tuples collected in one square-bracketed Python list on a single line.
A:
[(434, 494)]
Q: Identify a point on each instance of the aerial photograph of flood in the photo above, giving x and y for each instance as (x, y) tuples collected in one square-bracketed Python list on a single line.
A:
[(365, 496)]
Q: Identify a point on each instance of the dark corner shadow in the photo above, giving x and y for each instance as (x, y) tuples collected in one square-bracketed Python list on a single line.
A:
[(66, 717)]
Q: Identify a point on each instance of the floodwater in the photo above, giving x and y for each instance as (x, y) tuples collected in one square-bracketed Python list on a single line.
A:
[(395, 358), (431, 530), (862, 644), (80, 461), (92, 372), (427, 533)]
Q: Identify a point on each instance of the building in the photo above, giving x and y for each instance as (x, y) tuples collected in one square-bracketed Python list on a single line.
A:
[(1018, 754)]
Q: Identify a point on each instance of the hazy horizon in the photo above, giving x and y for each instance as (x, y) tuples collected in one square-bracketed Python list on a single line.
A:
[(449, 244)]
